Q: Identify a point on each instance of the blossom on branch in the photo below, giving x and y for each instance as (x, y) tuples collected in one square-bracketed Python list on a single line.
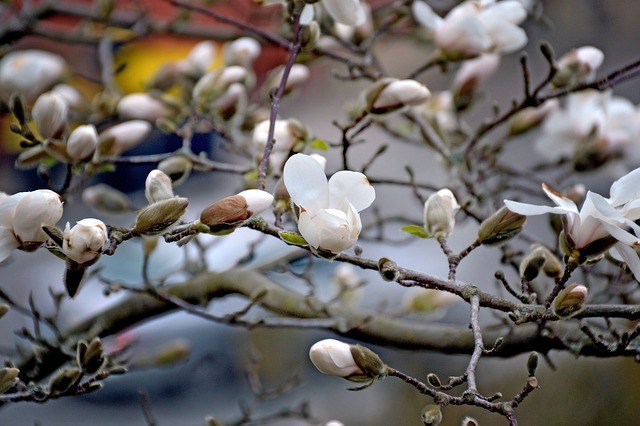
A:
[(85, 242), (29, 73), (601, 224), (22, 217), (328, 216), (474, 27)]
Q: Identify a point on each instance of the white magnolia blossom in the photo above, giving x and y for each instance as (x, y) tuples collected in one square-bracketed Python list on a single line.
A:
[(157, 186), (347, 12), (142, 106), (592, 119), (50, 114), (601, 222), (22, 217), (29, 73), (475, 72), (242, 51), (391, 94), (328, 218), (199, 59), (85, 241), (439, 213), (578, 66), (475, 27), (334, 358), (125, 136), (286, 134), (82, 142)]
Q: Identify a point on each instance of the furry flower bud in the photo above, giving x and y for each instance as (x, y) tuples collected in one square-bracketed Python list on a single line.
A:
[(29, 73), (157, 186), (85, 241), (82, 142), (500, 227), (439, 213), (142, 106), (570, 301), (159, 217), (226, 214), (50, 114)]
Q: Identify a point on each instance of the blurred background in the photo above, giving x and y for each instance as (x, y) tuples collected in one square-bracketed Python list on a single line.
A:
[(213, 376)]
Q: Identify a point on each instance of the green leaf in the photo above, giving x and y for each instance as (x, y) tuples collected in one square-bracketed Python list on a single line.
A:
[(293, 238), (416, 230), (319, 144)]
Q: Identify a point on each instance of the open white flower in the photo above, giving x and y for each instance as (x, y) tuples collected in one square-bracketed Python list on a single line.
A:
[(328, 218), (601, 224), (85, 241), (474, 27), (22, 217)]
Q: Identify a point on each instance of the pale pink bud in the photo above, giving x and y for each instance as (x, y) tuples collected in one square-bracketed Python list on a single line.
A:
[(82, 142), (29, 73), (85, 241), (334, 358), (50, 114), (439, 213), (243, 51), (142, 106), (157, 186)]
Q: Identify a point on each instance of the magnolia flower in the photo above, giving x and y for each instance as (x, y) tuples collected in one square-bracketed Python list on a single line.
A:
[(82, 142), (328, 211), (123, 136), (157, 186), (475, 72), (439, 213), (85, 241), (474, 27), (226, 214), (29, 73), (50, 114), (142, 106), (601, 224), (578, 66), (390, 94), (591, 122), (334, 358), (199, 59), (22, 217), (286, 134), (242, 51), (348, 12)]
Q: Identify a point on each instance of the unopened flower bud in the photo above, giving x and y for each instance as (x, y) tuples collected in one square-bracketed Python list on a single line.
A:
[(532, 363), (82, 142), (85, 241), (199, 59), (469, 421), (160, 216), (533, 262), (310, 35), (173, 352), (70, 94), (431, 415), (64, 380), (8, 378), (530, 117), (213, 83), (472, 74), (142, 106), (368, 362), (105, 198), (29, 73), (298, 75), (390, 94), (90, 356), (243, 51), (178, 168), (123, 136), (157, 186), (570, 300), (334, 358), (500, 227), (4, 308), (388, 269), (230, 212), (439, 213), (578, 66), (50, 114)]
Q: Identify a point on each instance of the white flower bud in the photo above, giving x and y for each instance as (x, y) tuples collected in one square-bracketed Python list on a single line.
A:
[(213, 83), (29, 73), (157, 186), (334, 358), (391, 94), (85, 241), (123, 136), (578, 66), (142, 106), (70, 94), (50, 114), (348, 12), (475, 72), (82, 142), (439, 213), (225, 215), (570, 301), (257, 200), (199, 59), (286, 134), (298, 75), (243, 51)]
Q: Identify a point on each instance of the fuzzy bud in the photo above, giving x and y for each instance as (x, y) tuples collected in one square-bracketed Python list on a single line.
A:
[(533, 262), (431, 415), (199, 59), (532, 363), (122, 137), (82, 142), (90, 356), (226, 214), (500, 227), (50, 114), (570, 300), (159, 217), (298, 76), (8, 378), (85, 242), (388, 269), (439, 213), (530, 117), (64, 380), (157, 186), (29, 73), (142, 106), (578, 66), (178, 168)]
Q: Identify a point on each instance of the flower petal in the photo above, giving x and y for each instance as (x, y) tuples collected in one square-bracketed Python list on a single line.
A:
[(532, 209), (350, 187), (8, 242), (306, 182), (625, 189), (348, 12), (630, 257), (560, 200)]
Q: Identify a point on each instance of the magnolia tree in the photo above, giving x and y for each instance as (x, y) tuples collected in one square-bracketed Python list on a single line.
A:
[(566, 285)]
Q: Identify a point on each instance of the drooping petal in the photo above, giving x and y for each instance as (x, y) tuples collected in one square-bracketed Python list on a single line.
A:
[(630, 257), (350, 187), (348, 12), (532, 209), (306, 182), (425, 16), (8, 242), (559, 199), (625, 189)]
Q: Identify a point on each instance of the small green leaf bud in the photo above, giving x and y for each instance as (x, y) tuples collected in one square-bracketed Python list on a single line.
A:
[(431, 415), (500, 227)]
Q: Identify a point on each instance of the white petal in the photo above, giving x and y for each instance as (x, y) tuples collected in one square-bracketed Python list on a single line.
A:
[(630, 257), (257, 200), (348, 12), (8, 242), (560, 200), (626, 188), (532, 209), (425, 16), (306, 182), (308, 229), (351, 187)]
